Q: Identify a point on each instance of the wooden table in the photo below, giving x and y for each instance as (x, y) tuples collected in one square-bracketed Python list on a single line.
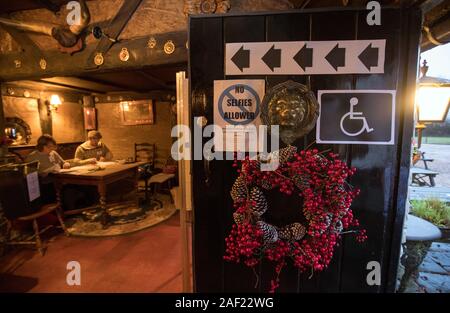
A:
[(102, 177)]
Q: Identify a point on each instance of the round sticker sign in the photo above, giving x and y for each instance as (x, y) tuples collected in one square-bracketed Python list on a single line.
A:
[(239, 104)]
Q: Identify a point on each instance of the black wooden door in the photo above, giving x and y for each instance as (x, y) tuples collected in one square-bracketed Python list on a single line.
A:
[(382, 172)]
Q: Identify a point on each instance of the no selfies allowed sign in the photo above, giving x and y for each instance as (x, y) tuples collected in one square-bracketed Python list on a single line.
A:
[(237, 105)]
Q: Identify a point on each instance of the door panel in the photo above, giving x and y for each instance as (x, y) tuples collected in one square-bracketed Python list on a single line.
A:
[(381, 172)]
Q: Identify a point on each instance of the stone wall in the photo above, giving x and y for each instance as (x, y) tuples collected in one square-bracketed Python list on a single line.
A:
[(27, 110), (67, 121), (121, 138)]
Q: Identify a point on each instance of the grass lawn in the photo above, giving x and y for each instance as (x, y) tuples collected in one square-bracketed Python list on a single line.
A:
[(436, 140)]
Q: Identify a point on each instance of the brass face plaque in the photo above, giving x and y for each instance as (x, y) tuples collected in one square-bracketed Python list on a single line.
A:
[(169, 47), (43, 64), (291, 106), (98, 59), (124, 55), (151, 43)]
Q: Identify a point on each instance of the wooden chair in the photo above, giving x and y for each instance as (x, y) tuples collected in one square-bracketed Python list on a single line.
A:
[(166, 177), (15, 203), (145, 152)]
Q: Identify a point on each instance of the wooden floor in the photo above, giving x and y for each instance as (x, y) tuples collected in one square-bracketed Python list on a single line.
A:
[(146, 261)]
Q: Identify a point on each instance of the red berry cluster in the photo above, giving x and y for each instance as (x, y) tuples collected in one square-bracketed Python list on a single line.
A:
[(243, 242), (327, 197)]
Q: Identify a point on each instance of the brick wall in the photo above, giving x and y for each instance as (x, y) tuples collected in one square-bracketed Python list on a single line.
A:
[(121, 138)]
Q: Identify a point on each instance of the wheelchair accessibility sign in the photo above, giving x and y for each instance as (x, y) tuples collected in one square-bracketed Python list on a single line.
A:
[(356, 117)]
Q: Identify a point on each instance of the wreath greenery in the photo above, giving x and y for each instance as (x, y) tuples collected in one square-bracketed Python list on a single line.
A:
[(321, 182)]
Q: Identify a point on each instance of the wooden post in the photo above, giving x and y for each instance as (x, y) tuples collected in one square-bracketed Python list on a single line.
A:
[(88, 102), (185, 187), (45, 117)]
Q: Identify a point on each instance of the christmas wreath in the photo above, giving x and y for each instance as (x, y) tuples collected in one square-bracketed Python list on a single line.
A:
[(321, 182)]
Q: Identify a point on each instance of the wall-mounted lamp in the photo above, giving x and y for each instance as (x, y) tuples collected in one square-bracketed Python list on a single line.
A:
[(54, 103), (125, 106)]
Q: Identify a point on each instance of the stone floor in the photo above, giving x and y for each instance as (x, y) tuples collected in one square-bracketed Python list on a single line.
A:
[(434, 272), (423, 193)]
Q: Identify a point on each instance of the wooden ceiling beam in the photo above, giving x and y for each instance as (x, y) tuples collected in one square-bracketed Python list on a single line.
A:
[(157, 95), (59, 64), (99, 81), (29, 48), (63, 85), (155, 80), (49, 5), (113, 31)]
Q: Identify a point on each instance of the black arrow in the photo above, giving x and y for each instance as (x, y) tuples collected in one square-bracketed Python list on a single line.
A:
[(336, 57), (272, 58), (241, 58), (369, 57), (304, 57)]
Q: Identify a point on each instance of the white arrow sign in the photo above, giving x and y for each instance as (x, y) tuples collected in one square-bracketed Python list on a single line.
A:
[(305, 57)]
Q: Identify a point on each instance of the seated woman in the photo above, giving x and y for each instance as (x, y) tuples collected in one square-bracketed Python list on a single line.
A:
[(93, 150)]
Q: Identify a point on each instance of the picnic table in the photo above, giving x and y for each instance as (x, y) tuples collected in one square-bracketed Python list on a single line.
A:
[(423, 176)]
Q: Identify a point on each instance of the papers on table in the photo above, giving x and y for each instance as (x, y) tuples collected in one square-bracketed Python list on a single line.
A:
[(105, 164), (68, 170), (88, 168)]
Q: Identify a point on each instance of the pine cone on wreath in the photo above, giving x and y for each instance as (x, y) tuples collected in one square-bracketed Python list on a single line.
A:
[(238, 218), (287, 153), (299, 182), (307, 215), (284, 154), (338, 227), (257, 196), (292, 232), (239, 189), (254, 165), (266, 184), (270, 233)]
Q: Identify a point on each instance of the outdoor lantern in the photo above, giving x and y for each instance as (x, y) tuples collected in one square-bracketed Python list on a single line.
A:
[(433, 103), (432, 97)]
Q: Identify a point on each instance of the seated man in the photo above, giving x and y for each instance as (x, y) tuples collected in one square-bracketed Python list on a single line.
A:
[(93, 150), (49, 161)]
